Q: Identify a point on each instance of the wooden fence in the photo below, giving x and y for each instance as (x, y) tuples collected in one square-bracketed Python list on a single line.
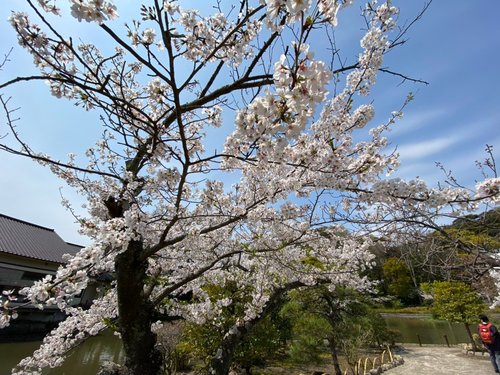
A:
[(367, 364)]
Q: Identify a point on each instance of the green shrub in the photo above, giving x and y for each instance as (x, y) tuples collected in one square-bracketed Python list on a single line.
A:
[(309, 334)]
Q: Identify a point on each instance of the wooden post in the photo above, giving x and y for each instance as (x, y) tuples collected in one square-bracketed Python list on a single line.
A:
[(366, 365), (419, 341), (390, 353), (446, 339)]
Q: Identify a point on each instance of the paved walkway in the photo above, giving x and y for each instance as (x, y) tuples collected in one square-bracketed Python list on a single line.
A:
[(438, 360)]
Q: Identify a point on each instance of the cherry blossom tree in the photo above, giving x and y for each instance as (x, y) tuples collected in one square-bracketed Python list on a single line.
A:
[(283, 201)]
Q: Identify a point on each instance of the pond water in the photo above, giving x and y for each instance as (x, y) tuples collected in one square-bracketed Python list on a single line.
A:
[(85, 359), (411, 329)]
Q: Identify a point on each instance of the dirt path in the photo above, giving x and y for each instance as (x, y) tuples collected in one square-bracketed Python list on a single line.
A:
[(438, 360)]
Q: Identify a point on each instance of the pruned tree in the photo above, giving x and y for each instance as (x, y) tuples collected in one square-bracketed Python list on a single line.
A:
[(398, 280), (265, 338), (170, 208), (455, 301), (342, 317)]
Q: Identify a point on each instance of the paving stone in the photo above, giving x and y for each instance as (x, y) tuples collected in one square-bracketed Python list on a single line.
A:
[(438, 360)]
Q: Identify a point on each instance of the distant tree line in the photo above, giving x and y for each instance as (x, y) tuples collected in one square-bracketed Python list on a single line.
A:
[(309, 324), (464, 251)]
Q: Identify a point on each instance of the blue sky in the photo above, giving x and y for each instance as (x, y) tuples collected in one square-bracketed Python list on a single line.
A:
[(455, 47)]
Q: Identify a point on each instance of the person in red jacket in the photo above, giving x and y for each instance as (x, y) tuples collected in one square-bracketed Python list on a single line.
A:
[(491, 340)]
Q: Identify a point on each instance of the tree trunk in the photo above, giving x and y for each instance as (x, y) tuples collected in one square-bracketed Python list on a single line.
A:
[(335, 357), (135, 314), (223, 358), (474, 347)]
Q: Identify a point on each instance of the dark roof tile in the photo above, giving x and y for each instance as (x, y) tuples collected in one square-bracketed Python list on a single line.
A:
[(33, 241)]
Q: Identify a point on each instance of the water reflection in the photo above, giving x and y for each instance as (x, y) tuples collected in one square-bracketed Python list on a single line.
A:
[(11, 354), (87, 358), (83, 360), (429, 330)]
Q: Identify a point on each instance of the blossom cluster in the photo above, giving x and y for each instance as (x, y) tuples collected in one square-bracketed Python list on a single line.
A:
[(214, 38), (33, 38), (489, 188), (263, 263), (276, 118), (79, 325), (93, 10), (296, 9), (153, 182), (71, 279), (375, 43), (417, 192), (6, 312)]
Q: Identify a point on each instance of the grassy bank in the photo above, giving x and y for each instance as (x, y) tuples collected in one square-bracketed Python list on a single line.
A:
[(404, 310), (424, 310)]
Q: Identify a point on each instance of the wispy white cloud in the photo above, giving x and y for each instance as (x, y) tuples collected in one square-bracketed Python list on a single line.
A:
[(31, 193), (428, 172), (426, 148), (414, 121), (460, 163)]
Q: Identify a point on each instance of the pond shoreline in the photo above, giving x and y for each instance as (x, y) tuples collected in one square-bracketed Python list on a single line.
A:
[(424, 329), (406, 315), (409, 328)]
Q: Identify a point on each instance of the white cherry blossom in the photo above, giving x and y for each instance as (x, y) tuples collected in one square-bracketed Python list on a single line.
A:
[(281, 195)]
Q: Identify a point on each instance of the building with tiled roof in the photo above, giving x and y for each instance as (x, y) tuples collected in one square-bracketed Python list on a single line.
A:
[(22, 239), (28, 252)]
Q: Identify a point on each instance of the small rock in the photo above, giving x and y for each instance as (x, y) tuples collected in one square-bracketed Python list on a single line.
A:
[(111, 368)]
